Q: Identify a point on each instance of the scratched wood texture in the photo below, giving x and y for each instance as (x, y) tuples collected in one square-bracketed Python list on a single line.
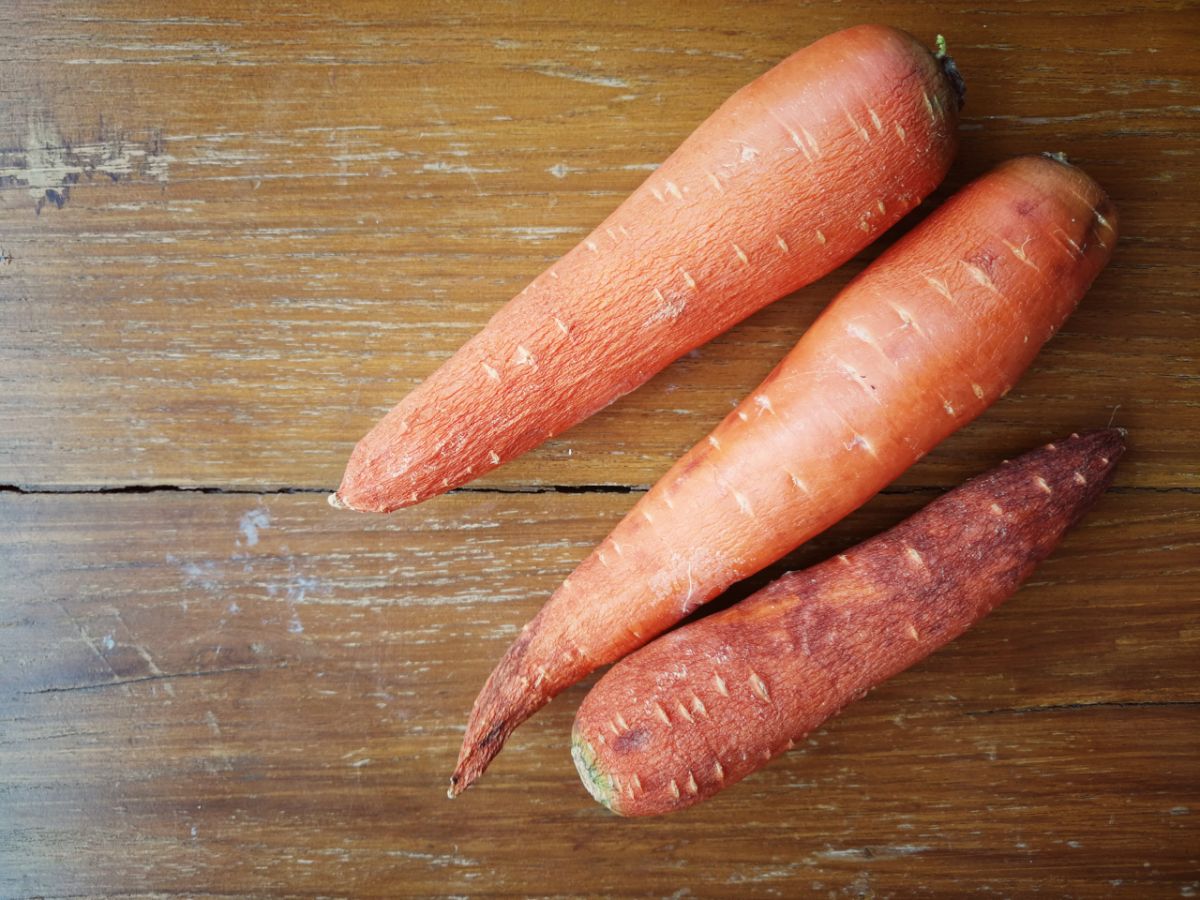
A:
[(231, 235)]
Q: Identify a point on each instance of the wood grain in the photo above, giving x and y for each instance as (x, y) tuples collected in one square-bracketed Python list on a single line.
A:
[(274, 223), (232, 235), (238, 693)]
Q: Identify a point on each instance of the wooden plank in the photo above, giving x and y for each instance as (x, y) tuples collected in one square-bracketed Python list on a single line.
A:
[(276, 219), (237, 694)]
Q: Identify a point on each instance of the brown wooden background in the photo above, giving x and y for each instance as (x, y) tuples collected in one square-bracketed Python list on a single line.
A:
[(232, 234)]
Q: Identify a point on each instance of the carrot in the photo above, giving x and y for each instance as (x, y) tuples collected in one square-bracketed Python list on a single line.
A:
[(703, 707), (788, 179), (923, 341)]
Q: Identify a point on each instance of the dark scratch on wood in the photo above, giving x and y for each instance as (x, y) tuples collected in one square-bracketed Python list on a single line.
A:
[(163, 676)]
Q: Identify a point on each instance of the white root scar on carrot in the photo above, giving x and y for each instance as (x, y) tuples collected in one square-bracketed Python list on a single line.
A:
[(491, 372), (907, 320), (1019, 253), (684, 712), (811, 141), (940, 286), (980, 277), (759, 687), (859, 130), (792, 134)]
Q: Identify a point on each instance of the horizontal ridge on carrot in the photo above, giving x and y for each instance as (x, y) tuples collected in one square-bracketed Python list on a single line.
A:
[(788, 179), (919, 344), (703, 707)]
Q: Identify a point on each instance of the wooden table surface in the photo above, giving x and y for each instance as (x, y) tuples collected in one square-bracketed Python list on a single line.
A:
[(232, 235)]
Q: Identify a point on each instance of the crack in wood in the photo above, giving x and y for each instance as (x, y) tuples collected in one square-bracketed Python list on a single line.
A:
[(71, 490), (1094, 704), (160, 676)]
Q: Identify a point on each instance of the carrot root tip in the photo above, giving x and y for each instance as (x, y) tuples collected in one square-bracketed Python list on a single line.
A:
[(336, 502)]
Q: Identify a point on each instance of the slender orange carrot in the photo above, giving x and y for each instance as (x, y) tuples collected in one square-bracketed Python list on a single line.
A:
[(923, 341), (702, 707), (788, 179)]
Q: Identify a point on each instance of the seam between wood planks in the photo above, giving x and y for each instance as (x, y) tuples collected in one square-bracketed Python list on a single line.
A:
[(518, 489), (1069, 707)]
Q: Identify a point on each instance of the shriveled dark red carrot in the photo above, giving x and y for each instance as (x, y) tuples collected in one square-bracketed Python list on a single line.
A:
[(933, 332), (704, 706), (788, 179)]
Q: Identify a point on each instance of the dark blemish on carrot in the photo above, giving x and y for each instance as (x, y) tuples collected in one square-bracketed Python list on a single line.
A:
[(1025, 207), (696, 458), (985, 259), (493, 734), (631, 741)]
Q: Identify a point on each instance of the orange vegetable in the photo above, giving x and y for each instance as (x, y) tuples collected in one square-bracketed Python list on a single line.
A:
[(792, 176), (703, 707), (922, 342)]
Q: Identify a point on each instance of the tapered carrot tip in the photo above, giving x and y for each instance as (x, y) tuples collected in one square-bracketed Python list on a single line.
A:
[(476, 756), (510, 696), (479, 750)]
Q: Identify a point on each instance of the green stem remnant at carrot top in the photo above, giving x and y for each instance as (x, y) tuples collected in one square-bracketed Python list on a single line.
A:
[(703, 707), (922, 342), (788, 179)]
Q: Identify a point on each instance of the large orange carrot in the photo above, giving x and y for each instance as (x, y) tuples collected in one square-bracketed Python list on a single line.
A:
[(933, 332), (792, 176), (703, 707)]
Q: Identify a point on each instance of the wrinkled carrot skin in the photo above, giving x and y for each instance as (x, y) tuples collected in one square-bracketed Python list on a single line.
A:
[(703, 707), (792, 176), (924, 340)]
